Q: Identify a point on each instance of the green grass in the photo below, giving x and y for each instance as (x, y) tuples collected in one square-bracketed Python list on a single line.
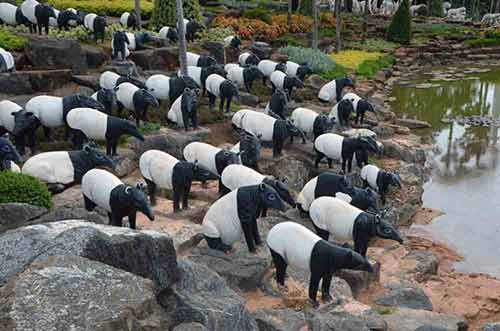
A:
[(386, 310), (371, 67), (327, 32), (339, 71), (149, 127), (11, 42), (483, 42)]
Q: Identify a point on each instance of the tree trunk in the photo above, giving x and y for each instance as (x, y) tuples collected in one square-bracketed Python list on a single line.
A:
[(182, 38), (315, 24), (365, 19), (497, 6), (289, 17), (338, 27), (138, 12)]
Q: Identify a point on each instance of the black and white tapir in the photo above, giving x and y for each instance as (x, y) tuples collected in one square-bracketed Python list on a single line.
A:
[(138, 40), (92, 124), (267, 67), (232, 41), (96, 25), (249, 149), (296, 70), (237, 212), (129, 20), (310, 122), (218, 86), (169, 34), (109, 80), (7, 112), (119, 45), (345, 222), (270, 129), (242, 76), (237, 118), (197, 60), (379, 180), (7, 63), (135, 99), (335, 147), (107, 98), (212, 158), (9, 16), (247, 59), (8, 156), (63, 169), (191, 27), (169, 88), (342, 112), (293, 244), (235, 176), (200, 74), (162, 170), (331, 184), (279, 80), (361, 106), (102, 188), (277, 106), (68, 18), (184, 111), (38, 14), (332, 91)]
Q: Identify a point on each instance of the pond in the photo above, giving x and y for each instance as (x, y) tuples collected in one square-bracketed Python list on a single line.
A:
[(465, 181)]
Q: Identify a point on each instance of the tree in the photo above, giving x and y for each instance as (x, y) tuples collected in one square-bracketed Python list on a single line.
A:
[(165, 14), (315, 23), (306, 7), (137, 10), (338, 25), (435, 8), (400, 28), (182, 38), (289, 16), (365, 19)]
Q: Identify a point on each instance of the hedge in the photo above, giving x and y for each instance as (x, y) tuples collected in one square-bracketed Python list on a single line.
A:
[(21, 188), (165, 12), (11, 42), (102, 7)]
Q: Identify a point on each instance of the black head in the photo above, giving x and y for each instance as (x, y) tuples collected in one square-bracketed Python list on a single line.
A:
[(279, 100), (369, 144), (254, 72), (189, 82), (235, 42), (281, 67), (173, 35), (250, 148), (201, 173), (269, 197), (345, 106), (364, 106), (190, 99), (144, 36), (297, 82), (25, 121), (293, 130), (138, 198), (364, 199), (88, 102), (343, 82), (47, 10), (281, 188), (148, 98), (252, 59), (215, 69), (385, 230), (207, 61), (8, 151), (229, 89), (356, 261), (231, 158), (303, 71), (107, 97), (98, 158), (394, 180), (130, 128), (20, 18), (323, 124)]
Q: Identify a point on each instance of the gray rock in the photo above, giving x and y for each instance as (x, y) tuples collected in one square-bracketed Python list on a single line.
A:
[(280, 320), (404, 319), (95, 56), (492, 327), (360, 280), (190, 327), (296, 170), (145, 253), (408, 297), (248, 99), (315, 81), (215, 49), (328, 318), (74, 293), (86, 80), (426, 264), (51, 54), (204, 297), (261, 49), (126, 161), (123, 68), (15, 215), (430, 327), (164, 58), (398, 150), (62, 214), (29, 82), (413, 124)]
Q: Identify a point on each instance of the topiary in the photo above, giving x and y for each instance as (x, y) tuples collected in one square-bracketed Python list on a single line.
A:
[(306, 7), (400, 28), (436, 8), (21, 188), (165, 12), (259, 14)]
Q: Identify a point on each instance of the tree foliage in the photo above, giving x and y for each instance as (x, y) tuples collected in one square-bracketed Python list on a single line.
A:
[(165, 14), (400, 27)]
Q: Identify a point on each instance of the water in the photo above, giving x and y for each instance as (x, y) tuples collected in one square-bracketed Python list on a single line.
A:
[(465, 181)]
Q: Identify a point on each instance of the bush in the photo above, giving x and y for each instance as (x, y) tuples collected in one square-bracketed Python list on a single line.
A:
[(352, 59), (216, 34), (400, 27), (339, 71), (306, 7), (21, 188), (149, 127), (319, 61), (300, 24), (248, 28), (370, 67), (104, 7), (11, 42), (483, 42), (165, 12), (436, 8), (259, 14)]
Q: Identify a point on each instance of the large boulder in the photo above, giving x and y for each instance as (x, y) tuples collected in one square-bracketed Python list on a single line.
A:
[(95, 56), (215, 49), (202, 296), (15, 215), (284, 319), (29, 82), (47, 53), (261, 49), (145, 253), (408, 297), (75, 293), (404, 319), (492, 327), (330, 317), (165, 58)]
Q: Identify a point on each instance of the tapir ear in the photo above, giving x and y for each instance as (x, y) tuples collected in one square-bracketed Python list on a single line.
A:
[(128, 189), (86, 148), (262, 187)]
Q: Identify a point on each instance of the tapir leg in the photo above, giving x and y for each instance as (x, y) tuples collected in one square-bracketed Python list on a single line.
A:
[(151, 191), (131, 219), (248, 232), (319, 157), (211, 101), (185, 196), (325, 287), (228, 106), (46, 132), (221, 106), (47, 29), (255, 232), (280, 265), (177, 198)]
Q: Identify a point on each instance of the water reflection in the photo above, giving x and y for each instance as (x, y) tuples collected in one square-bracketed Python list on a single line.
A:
[(466, 178)]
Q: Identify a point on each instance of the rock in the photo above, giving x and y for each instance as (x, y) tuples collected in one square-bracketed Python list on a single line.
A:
[(164, 58), (277, 57), (330, 317), (430, 327), (359, 133), (383, 131), (145, 253), (62, 214), (315, 81), (52, 54), (123, 68), (408, 297), (261, 49), (202, 296), (406, 213), (403, 150), (29, 82), (126, 161), (95, 56), (232, 54), (423, 264), (295, 169), (380, 76), (15, 215), (190, 327), (86, 80), (280, 320), (492, 327), (360, 280), (249, 100), (413, 124), (215, 49), (75, 293), (404, 319)]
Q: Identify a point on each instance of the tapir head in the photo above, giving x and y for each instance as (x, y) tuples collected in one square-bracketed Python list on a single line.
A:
[(297, 83), (235, 42), (252, 59), (346, 82), (97, 157), (254, 72), (364, 105), (385, 230), (148, 98), (367, 197), (369, 144), (269, 197), (190, 99), (8, 151), (173, 35), (215, 69), (24, 121), (137, 197), (202, 173), (281, 67), (294, 131), (130, 128), (108, 97), (281, 188), (356, 261)]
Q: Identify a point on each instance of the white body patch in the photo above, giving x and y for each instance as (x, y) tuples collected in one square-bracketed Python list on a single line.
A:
[(330, 144), (192, 59), (159, 86), (235, 74), (125, 95), (91, 122), (222, 221), (158, 167), (48, 109), (306, 196), (204, 153), (164, 32), (28, 10), (51, 167), (370, 173), (6, 109), (304, 119), (8, 13), (124, 19), (293, 242), (88, 21), (193, 72), (52, 20), (108, 79), (227, 41), (228, 66), (242, 59), (335, 216), (291, 68), (212, 84), (175, 112), (131, 38), (344, 197), (8, 58), (267, 67), (259, 124), (14, 167), (278, 79), (236, 175), (97, 185), (238, 116), (328, 92)]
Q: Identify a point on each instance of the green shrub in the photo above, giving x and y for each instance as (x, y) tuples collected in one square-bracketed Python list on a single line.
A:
[(370, 67), (400, 28), (215, 34), (149, 127), (374, 45), (21, 188), (104, 7), (165, 12), (483, 42), (319, 61), (11, 42), (492, 34), (436, 8), (339, 71), (259, 14), (306, 7)]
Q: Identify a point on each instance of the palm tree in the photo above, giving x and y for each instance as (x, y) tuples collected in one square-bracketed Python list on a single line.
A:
[(138, 12), (182, 38)]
